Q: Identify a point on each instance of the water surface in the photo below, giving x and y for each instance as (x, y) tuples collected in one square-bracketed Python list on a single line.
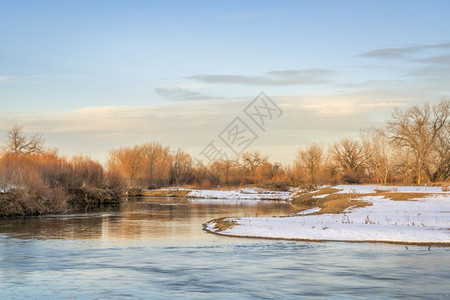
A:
[(155, 248)]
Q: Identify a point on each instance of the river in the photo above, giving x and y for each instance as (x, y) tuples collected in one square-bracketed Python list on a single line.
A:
[(155, 248)]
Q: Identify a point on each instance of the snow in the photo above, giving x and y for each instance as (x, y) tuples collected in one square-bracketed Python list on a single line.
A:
[(235, 202), (371, 189), (309, 211), (320, 196), (8, 188), (242, 194), (421, 220)]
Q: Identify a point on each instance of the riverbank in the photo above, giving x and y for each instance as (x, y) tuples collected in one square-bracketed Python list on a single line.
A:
[(359, 213), (17, 202), (248, 193)]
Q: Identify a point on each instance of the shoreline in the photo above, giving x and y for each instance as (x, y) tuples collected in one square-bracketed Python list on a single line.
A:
[(412, 216), (16, 203), (407, 243)]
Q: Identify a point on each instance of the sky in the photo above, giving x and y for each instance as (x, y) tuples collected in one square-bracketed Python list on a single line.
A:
[(96, 75)]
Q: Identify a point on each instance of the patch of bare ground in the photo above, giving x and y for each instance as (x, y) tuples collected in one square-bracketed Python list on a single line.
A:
[(222, 224), (401, 196), (332, 203), (165, 193)]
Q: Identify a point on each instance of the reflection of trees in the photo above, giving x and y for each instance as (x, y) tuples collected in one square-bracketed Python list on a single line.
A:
[(157, 218), (54, 227)]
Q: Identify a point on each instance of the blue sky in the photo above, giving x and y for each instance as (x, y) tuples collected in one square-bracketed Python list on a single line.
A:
[(93, 75)]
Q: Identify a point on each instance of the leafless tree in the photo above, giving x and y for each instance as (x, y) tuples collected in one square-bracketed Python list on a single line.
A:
[(378, 153), (158, 162), (128, 162), (18, 143), (351, 158), (310, 160), (181, 167), (223, 171), (421, 130), (403, 164), (250, 160)]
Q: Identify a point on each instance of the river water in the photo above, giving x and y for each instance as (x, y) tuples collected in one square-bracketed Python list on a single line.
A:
[(154, 248)]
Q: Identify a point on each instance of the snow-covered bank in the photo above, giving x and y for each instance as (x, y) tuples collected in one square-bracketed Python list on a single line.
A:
[(238, 194), (242, 194), (421, 220), (369, 189)]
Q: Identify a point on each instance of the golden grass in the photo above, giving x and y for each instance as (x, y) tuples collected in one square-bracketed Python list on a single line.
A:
[(223, 224), (165, 193), (330, 204), (335, 203), (401, 196)]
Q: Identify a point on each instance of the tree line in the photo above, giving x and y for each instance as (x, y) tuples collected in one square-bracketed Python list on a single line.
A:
[(414, 147)]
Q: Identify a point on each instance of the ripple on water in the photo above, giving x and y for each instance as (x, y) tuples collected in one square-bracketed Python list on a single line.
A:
[(138, 252)]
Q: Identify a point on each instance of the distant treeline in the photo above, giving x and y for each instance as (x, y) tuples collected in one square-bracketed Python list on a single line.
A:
[(413, 148)]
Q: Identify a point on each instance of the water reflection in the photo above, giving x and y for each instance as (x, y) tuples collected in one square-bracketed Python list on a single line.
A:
[(158, 219), (155, 249)]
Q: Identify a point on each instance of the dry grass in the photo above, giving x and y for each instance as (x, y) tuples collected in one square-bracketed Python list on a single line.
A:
[(401, 196), (165, 193), (223, 224), (333, 203)]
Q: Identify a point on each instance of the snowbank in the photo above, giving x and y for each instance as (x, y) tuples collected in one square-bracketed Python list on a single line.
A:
[(242, 194), (424, 220), (371, 189)]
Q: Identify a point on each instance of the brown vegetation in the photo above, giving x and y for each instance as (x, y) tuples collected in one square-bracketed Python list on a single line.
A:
[(222, 224), (402, 196), (165, 193), (415, 148), (36, 182), (336, 203), (332, 203)]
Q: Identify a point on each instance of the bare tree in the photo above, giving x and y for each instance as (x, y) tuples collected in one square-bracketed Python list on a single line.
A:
[(128, 162), (403, 164), (438, 164), (181, 167), (250, 160), (158, 161), (311, 160), (18, 143), (378, 153), (351, 158), (420, 129), (222, 170)]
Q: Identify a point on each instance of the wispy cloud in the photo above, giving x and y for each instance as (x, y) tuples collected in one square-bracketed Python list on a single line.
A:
[(439, 60), (192, 125), (402, 52), (273, 78), (436, 72), (436, 68), (178, 93), (5, 78), (34, 78)]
